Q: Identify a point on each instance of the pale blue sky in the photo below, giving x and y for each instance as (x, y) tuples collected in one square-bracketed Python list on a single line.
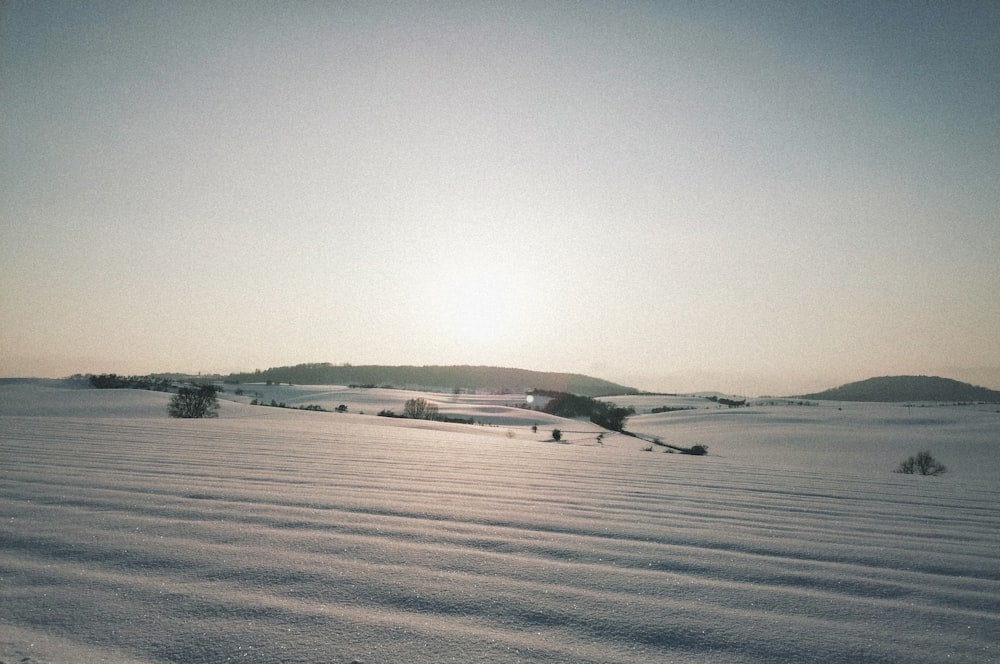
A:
[(751, 197)]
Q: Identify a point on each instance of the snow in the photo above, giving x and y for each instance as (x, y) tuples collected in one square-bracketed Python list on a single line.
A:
[(274, 534)]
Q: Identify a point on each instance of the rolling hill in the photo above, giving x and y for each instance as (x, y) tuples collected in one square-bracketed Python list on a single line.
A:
[(438, 378), (280, 535), (907, 388)]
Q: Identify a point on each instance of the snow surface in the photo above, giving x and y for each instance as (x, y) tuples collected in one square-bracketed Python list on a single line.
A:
[(278, 535)]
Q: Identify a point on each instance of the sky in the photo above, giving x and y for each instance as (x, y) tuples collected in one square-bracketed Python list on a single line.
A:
[(756, 198)]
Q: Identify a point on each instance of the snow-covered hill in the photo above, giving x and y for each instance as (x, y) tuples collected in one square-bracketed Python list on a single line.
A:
[(272, 535)]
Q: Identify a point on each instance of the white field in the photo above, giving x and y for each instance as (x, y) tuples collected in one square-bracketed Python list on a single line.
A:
[(277, 535)]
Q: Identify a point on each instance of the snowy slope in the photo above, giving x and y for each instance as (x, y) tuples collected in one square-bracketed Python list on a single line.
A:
[(273, 535)]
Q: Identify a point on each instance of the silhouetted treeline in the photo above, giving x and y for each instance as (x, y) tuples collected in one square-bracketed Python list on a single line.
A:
[(115, 382), (316, 407), (732, 403), (602, 413), (495, 380), (670, 409)]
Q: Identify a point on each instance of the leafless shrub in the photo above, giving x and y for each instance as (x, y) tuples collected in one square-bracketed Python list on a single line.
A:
[(922, 464), (420, 409), (194, 402)]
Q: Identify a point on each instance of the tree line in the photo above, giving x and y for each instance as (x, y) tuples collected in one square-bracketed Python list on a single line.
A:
[(602, 413), (110, 381)]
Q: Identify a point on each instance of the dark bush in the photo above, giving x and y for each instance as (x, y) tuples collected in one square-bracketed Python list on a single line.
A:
[(194, 402), (922, 464), (556, 434)]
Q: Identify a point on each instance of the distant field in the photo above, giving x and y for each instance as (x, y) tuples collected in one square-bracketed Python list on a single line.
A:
[(277, 535)]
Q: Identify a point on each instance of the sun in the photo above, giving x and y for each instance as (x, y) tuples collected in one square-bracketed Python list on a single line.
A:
[(483, 302), (479, 308)]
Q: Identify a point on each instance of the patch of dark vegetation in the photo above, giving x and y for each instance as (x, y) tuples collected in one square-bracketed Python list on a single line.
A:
[(112, 381), (454, 420), (921, 464), (281, 404), (194, 402), (670, 409), (602, 413), (694, 450), (732, 403)]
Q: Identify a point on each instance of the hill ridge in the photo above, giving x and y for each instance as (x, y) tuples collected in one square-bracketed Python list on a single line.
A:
[(436, 377), (906, 388)]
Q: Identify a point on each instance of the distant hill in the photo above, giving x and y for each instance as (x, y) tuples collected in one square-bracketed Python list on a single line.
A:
[(439, 378), (907, 388)]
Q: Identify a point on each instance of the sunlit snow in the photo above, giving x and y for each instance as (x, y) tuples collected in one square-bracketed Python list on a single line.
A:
[(279, 535)]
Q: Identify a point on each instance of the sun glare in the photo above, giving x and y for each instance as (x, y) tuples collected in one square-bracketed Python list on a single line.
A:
[(480, 309), (480, 303)]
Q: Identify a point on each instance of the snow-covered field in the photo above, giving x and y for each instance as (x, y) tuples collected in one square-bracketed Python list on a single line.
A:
[(278, 535)]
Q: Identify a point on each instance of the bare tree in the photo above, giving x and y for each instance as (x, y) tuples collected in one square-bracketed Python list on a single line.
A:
[(420, 408), (191, 402), (922, 464)]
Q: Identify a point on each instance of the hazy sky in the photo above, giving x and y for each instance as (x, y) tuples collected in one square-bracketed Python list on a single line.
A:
[(751, 197)]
